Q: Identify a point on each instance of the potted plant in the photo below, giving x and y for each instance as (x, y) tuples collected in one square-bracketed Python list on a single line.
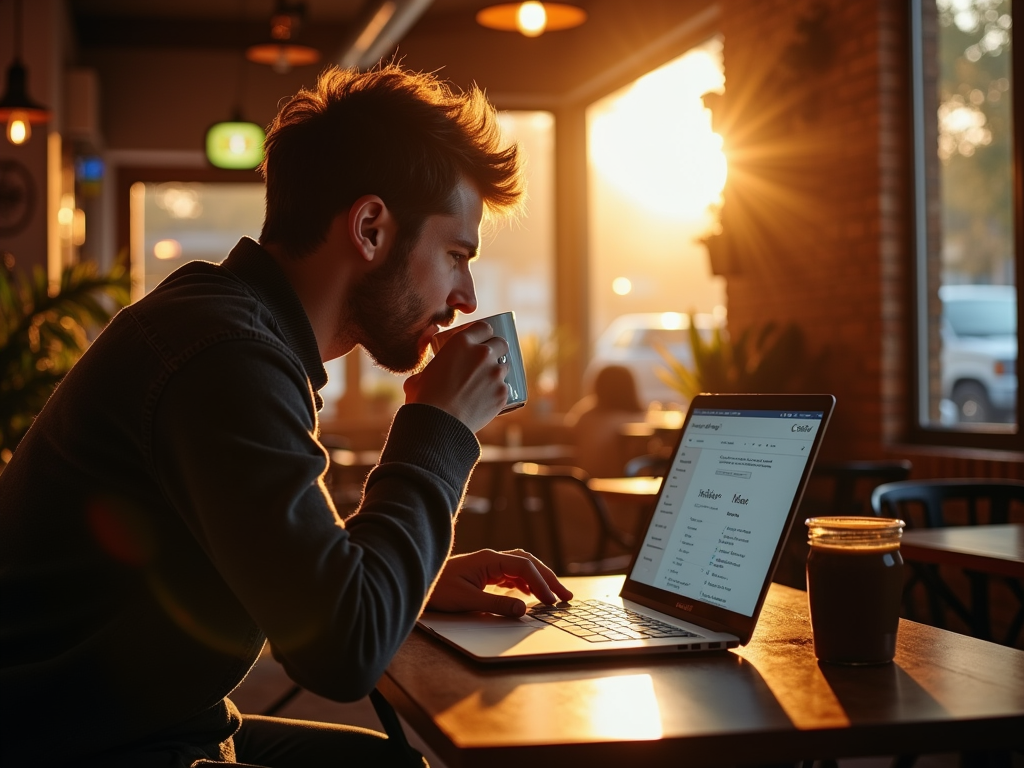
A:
[(44, 332), (759, 360)]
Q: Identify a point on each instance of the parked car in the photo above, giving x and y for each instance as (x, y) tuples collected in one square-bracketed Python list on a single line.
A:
[(632, 341), (979, 351)]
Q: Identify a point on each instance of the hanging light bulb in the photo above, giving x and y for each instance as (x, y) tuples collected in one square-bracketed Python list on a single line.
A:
[(19, 127), (531, 18), (16, 107)]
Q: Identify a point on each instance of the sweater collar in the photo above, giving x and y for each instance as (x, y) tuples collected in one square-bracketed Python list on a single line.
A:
[(249, 262)]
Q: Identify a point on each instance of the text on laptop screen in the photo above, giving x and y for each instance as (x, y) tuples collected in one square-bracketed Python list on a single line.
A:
[(724, 503)]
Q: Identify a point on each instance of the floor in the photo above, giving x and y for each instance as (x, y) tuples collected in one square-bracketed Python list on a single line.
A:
[(267, 683)]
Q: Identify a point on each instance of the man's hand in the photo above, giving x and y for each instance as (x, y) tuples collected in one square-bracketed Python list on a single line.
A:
[(465, 378), (460, 586)]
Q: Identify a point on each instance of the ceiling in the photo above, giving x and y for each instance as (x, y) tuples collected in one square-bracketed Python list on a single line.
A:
[(621, 38)]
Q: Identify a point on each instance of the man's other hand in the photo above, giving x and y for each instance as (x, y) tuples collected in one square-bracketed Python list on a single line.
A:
[(460, 587), (465, 378)]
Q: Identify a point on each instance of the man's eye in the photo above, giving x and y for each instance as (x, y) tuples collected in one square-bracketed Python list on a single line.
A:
[(458, 256)]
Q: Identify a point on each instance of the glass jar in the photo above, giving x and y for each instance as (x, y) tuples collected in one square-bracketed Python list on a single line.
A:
[(854, 588)]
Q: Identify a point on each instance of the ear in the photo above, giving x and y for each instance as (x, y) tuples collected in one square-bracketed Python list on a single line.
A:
[(370, 227)]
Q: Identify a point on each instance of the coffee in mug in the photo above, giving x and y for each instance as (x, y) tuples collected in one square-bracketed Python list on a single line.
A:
[(854, 588), (503, 325)]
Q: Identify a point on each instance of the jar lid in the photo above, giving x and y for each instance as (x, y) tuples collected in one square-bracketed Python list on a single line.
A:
[(854, 530)]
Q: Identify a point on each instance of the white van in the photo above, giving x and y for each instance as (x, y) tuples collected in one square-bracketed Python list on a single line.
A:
[(979, 351)]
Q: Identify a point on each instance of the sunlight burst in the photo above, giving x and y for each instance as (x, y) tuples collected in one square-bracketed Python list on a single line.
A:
[(653, 140)]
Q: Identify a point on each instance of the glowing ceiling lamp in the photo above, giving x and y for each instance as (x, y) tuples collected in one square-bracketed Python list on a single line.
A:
[(282, 52), (17, 109), (531, 18)]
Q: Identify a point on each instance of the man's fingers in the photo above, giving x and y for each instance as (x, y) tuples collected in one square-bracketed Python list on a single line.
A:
[(540, 579), (504, 605)]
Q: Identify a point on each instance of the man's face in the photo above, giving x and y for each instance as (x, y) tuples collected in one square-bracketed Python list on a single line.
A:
[(398, 306)]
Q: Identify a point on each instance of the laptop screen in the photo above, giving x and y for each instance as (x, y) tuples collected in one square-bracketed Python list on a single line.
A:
[(725, 503)]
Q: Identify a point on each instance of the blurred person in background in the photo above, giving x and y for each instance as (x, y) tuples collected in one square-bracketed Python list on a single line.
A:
[(596, 421)]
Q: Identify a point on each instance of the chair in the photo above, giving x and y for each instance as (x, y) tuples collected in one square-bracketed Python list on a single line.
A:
[(836, 488), (648, 465), (901, 499), (853, 481), (544, 491)]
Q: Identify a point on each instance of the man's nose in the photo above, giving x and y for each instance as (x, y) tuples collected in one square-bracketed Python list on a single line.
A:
[(463, 296)]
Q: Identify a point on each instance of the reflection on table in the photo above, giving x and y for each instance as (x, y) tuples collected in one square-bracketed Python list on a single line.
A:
[(768, 702)]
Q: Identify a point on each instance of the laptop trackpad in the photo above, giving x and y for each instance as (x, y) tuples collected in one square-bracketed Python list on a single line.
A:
[(444, 622)]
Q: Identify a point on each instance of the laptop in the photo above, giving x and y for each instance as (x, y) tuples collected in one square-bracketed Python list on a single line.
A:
[(699, 575)]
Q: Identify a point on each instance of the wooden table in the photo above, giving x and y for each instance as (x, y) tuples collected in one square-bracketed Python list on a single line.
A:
[(626, 488), (768, 702), (489, 454), (994, 549), (639, 490), (499, 458), (981, 551)]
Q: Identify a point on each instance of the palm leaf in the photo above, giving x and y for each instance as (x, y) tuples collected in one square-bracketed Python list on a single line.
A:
[(42, 335), (765, 360)]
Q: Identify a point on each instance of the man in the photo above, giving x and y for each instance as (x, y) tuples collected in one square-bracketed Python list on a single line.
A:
[(166, 514)]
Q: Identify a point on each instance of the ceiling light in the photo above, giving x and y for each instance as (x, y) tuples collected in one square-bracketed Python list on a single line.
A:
[(17, 109), (282, 53), (531, 18)]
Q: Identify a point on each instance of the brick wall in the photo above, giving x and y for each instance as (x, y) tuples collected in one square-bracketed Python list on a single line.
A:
[(815, 119)]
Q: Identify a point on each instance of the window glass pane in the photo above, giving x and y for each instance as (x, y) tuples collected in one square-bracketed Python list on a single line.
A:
[(176, 222), (656, 172), (185, 221), (967, 295)]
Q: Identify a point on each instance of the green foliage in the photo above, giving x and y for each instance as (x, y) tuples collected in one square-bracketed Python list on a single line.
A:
[(975, 141), (541, 356), (43, 335), (758, 361)]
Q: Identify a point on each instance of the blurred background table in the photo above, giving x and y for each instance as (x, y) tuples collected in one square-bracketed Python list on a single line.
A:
[(994, 549)]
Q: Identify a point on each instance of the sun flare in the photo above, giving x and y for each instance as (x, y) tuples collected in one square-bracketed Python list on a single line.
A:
[(653, 140)]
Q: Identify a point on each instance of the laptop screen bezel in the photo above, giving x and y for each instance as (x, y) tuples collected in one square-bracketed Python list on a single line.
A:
[(708, 615)]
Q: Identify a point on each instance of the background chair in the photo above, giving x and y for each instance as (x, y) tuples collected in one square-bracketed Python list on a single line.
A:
[(560, 498), (928, 503), (853, 481), (648, 465), (835, 488)]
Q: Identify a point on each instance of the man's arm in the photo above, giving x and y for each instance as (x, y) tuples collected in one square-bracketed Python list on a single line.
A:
[(235, 451)]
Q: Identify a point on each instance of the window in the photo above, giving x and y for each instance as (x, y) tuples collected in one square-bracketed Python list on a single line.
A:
[(967, 246), (655, 172)]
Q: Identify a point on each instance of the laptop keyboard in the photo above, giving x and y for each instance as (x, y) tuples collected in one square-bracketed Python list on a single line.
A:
[(600, 622)]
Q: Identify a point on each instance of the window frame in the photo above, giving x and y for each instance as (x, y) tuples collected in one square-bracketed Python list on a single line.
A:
[(917, 432)]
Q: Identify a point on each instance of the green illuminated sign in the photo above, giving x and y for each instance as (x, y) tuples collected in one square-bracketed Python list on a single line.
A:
[(235, 145)]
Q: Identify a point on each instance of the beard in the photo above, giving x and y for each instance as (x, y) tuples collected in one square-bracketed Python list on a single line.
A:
[(390, 316)]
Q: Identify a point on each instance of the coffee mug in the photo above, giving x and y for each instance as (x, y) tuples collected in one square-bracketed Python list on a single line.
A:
[(503, 325)]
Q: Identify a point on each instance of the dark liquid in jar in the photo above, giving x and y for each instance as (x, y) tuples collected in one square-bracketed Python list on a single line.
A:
[(854, 596)]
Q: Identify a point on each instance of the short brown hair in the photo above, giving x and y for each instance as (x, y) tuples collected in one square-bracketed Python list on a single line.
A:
[(404, 136)]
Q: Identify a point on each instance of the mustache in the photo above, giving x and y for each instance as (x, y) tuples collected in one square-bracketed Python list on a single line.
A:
[(444, 319)]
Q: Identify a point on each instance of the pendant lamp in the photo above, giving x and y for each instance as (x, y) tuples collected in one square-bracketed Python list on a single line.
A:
[(17, 109)]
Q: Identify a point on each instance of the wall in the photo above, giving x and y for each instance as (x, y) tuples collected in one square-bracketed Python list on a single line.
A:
[(817, 209)]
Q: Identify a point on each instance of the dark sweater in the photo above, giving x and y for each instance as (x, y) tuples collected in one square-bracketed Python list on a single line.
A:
[(167, 512)]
